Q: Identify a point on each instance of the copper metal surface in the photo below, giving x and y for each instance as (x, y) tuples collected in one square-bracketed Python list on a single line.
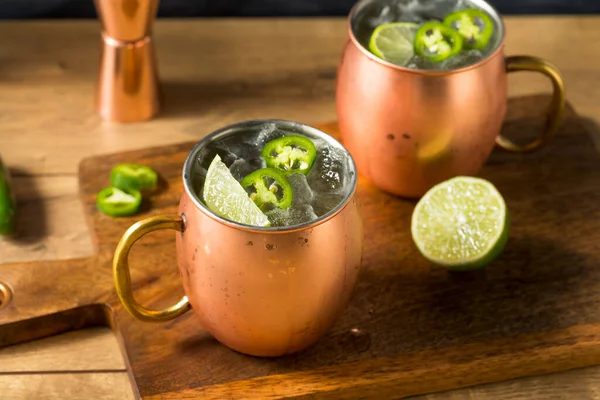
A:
[(260, 291), (411, 129), (128, 80)]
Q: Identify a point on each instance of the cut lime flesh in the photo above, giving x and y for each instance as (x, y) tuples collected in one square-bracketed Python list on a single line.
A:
[(224, 196), (461, 223), (394, 42)]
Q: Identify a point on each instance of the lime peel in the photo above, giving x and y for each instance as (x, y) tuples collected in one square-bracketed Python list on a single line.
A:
[(226, 197), (461, 224)]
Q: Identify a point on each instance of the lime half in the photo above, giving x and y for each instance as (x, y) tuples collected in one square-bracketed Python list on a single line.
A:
[(461, 224), (225, 196), (393, 42)]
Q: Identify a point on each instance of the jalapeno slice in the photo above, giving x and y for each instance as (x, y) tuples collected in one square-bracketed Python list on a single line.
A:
[(7, 203), (116, 202), (268, 188), (133, 176), (290, 154), (437, 42), (475, 27)]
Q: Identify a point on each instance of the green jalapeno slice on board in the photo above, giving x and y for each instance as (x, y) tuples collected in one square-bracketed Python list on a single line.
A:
[(116, 202), (133, 176)]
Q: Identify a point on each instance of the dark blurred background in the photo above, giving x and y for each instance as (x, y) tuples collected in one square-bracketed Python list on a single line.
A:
[(27, 9)]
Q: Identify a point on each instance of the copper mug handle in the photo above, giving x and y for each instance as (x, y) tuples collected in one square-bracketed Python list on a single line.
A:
[(556, 108), (122, 276)]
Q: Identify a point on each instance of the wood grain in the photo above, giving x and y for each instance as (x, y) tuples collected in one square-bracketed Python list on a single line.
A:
[(76, 386), (410, 329), (239, 69), (576, 384), (91, 349), (47, 72)]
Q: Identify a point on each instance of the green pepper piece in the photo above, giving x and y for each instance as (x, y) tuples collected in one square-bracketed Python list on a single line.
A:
[(133, 176), (116, 202), (268, 188), (437, 42), (290, 154), (8, 204), (475, 27)]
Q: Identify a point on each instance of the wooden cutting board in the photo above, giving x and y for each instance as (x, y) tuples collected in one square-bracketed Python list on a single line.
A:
[(411, 328)]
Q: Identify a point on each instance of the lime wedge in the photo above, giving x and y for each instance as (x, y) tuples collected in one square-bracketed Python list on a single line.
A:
[(461, 224), (393, 42), (224, 196)]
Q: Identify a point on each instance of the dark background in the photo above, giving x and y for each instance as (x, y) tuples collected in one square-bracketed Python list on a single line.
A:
[(27, 9)]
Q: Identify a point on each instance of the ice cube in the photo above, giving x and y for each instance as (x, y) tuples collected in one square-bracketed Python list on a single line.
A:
[(240, 167), (460, 5), (208, 153), (418, 62), (329, 171), (277, 217), (386, 14), (325, 202), (292, 216), (419, 10), (301, 214), (246, 150), (300, 188), (267, 133), (462, 59)]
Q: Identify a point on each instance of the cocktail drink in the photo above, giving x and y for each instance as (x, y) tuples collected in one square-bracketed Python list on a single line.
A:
[(282, 177), (269, 237), (431, 35), (422, 91)]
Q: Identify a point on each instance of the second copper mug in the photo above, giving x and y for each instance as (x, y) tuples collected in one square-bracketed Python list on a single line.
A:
[(260, 291), (411, 129)]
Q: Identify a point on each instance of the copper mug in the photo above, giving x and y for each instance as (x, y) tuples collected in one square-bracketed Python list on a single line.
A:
[(411, 129), (286, 285)]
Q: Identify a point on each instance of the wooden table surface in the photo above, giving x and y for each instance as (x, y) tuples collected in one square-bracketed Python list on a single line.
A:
[(213, 72)]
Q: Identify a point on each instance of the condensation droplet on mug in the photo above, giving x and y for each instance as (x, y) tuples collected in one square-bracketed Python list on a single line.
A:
[(270, 275)]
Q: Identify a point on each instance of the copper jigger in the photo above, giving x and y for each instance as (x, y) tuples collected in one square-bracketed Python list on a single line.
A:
[(128, 83)]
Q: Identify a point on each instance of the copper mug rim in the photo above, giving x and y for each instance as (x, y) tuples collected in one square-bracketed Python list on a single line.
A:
[(481, 3), (289, 126)]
